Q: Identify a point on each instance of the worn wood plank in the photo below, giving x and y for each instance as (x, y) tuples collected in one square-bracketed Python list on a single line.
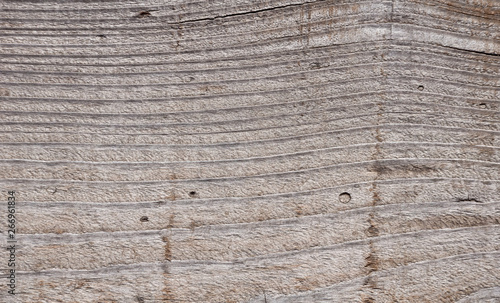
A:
[(251, 151)]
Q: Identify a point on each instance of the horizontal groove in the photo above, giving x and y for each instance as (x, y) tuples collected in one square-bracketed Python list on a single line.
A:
[(380, 160), (481, 82), (376, 43), (267, 55), (251, 159), (245, 81), (252, 107), (135, 268), (144, 127), (205, 97), (239, 45), (247, 67), (267, 65), (302, 252), (368, 163), (25, 240), (354, 211), (200, 201), (281, 139), (241, 261), (161, 19), (174, 28), (208, 228), (177, 97), (199, 51)]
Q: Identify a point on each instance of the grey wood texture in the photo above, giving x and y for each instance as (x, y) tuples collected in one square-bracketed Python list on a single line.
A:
[(252, 151)]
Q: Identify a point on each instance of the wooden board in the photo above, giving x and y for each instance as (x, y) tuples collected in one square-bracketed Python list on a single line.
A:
[(250, 151)]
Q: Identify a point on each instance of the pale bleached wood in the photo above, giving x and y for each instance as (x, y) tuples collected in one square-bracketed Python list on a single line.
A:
[(189, 151)]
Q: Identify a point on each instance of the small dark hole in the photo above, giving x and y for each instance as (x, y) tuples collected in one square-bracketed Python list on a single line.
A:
[(144, 219), (482, 105), (144, 14), (420, 87), (101, 36), (345, 197), (192, 194)]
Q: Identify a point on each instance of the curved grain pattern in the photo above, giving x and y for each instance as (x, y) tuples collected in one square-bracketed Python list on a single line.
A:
[(252, 151)]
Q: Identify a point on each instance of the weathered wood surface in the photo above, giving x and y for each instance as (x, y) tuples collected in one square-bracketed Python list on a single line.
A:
[(234, 127)]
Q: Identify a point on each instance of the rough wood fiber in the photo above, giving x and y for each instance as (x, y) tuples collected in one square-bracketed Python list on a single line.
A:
[(186, 151)]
